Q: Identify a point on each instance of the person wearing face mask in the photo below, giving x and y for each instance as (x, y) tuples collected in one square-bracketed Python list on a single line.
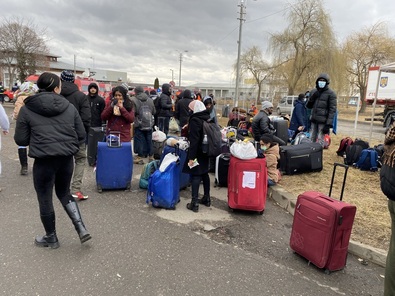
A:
[(271, 150), (323, 105), (261, 124)]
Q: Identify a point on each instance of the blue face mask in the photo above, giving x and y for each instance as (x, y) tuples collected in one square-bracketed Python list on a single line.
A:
[(321, 84)]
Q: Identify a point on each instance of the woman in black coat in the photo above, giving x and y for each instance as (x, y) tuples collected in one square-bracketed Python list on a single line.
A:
[(195, 154), (53, 129)]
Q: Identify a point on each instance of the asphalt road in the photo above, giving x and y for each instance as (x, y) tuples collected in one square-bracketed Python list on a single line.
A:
[(139, 250)]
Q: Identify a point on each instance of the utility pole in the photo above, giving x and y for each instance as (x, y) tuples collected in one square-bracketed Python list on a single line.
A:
[(241, 18), (172, 74), (179, 74)]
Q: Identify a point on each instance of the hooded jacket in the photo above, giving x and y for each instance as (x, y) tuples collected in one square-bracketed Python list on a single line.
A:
[(49, 125), (182, 110), (261, 125), (79, 100), (323, 103), (96, 104), (165, 102)]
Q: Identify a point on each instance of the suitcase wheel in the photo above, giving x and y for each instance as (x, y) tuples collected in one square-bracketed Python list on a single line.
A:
[(327, 271), (99, 188), (261, 212), (128, 186)]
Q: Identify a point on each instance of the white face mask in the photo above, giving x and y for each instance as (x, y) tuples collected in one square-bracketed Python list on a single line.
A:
[(321, 84)]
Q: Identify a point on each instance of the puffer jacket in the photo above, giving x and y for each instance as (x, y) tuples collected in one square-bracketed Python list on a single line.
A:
[(49, 125), (71, 92), (323, 103), (261, 125), (165, 102)]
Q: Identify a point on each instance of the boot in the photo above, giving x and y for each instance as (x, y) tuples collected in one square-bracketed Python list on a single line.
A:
[(74, 213), (205, 200), (49, 239), (22, 152), (193, 205)]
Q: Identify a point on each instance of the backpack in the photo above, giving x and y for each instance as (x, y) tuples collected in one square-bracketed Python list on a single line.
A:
[(148, 170), (368, 160), (353, 151), (344, 143), (380, 152), (301, 138), (214, 137), (145, 118)]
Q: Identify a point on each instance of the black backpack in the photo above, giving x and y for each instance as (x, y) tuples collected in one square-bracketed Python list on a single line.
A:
[(380, 152), (353, 152), (214, 137)]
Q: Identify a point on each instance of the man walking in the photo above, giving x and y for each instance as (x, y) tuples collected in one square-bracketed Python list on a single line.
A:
[(80, 101)]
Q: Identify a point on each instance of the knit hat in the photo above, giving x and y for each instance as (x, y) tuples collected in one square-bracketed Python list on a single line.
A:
[(196, 106), (28, 88), (125, 86), (67, 75), (266, 105), (267, 138), (139, 89)]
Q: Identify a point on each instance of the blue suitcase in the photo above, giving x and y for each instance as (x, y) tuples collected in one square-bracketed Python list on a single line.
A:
[(114, 166), (183, 154), (163, 187)]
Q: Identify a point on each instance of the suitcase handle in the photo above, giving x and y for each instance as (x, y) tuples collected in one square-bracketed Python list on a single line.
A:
[(336, 164)]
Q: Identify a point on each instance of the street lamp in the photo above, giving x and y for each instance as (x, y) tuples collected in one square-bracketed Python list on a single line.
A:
[(172, 74), (179, 74)]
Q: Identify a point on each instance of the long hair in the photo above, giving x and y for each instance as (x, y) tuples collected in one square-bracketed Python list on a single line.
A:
[(48, 82), (127, 103)]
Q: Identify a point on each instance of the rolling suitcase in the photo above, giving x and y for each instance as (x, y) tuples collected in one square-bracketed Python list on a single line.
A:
[(221, 170), (183, 154), (96, 134), (322, 226), (163, 187), (114, 166), (247, 184), (302, 158), (281, 126)]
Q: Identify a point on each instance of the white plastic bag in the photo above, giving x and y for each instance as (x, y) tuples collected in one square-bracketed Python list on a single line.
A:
[(243, 150), (158, 136), (167, 160), (173, 125)]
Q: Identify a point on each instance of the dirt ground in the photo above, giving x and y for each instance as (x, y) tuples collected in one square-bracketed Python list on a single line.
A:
[(372, 221)]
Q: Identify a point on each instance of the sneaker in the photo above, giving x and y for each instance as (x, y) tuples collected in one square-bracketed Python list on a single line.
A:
[(78, 195), (138, 160)]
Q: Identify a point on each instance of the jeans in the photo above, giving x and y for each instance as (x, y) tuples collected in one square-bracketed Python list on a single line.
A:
[(195, 183), (163, 124), (389, 281), (50, 172), (142, 143), (79, 160), (316, 131)]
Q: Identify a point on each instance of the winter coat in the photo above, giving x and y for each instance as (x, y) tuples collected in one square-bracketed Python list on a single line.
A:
[(49, 125), (195, 137), (79, 100), (261, 125), (138, 101), (182, 110), (20, 101), (298, 115), (97, 105), (272, 155), (165, 106), (387, 171), (323, 103), (118, 123)]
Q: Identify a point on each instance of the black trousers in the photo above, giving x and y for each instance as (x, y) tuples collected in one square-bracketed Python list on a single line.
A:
[(50, 172)]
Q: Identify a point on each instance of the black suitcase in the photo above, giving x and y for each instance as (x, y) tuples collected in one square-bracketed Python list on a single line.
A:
[(221, 170), (302, 158), (96, 134), (281, 126)]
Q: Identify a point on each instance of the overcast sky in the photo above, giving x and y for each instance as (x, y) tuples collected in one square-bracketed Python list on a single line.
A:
[(145, 37)]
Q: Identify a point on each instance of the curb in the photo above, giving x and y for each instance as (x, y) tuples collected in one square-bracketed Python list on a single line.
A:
[(287, 201)]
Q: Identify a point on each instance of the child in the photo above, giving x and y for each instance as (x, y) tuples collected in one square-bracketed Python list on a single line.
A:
[(271, 150)]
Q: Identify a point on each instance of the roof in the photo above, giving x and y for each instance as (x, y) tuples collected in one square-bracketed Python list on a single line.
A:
[(388, 67)]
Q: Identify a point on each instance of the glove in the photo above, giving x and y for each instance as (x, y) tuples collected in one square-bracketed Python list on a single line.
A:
[(326, 129)]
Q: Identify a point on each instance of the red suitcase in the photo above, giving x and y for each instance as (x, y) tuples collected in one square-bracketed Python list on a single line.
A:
[(247, 184), (322, 226)]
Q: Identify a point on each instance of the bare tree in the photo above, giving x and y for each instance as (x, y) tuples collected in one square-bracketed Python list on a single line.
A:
[(22, 48), (252, 62), (305, 47), (369, 47)]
